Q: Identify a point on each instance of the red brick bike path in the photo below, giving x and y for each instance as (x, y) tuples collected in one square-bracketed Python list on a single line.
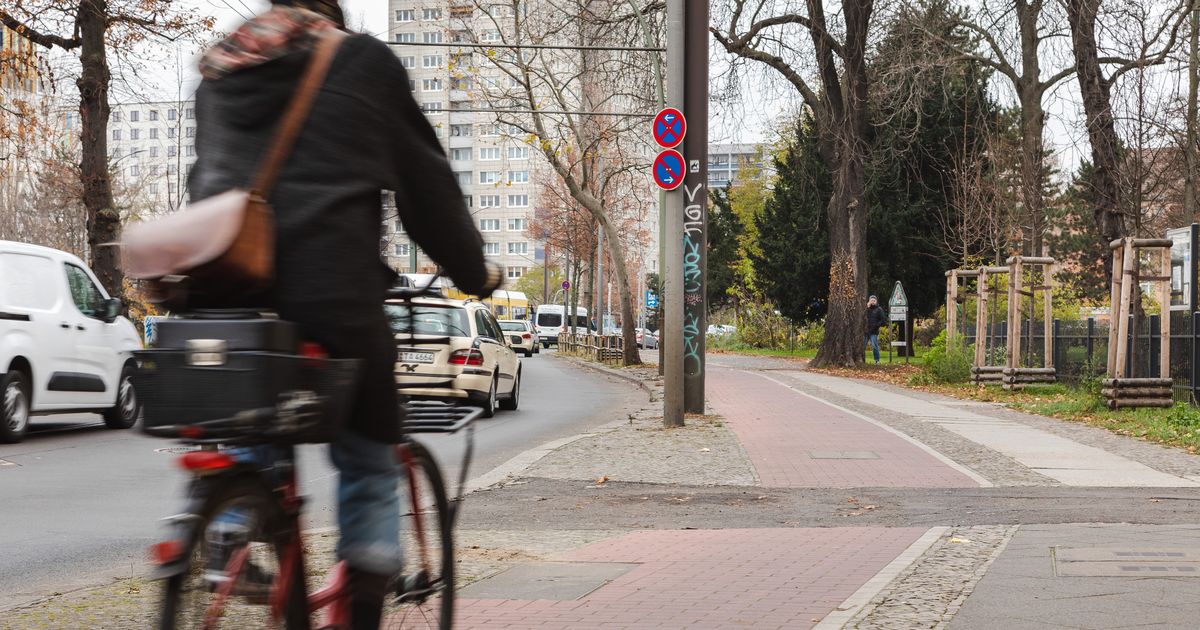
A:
[(795, 441), (731, 578)]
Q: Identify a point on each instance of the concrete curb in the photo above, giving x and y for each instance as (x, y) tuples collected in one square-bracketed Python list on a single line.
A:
[(609, 371)]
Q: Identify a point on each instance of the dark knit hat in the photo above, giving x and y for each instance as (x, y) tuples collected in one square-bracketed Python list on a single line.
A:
[(328, 8)]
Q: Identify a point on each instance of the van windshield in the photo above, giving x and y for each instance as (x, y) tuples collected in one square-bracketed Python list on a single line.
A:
[(549, 320), (442, 321)]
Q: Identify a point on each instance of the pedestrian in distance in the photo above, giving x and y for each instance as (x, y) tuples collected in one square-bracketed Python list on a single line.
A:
[(876, 319)]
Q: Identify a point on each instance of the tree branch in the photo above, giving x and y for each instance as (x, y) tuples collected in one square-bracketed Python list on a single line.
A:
[(44, 40)]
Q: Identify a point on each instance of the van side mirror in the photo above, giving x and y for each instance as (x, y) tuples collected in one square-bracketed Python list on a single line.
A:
[(112, 309)]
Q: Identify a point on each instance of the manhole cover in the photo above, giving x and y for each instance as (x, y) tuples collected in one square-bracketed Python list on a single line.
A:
[(176, 450), (547, 580), (1126, 562), (843, 455)]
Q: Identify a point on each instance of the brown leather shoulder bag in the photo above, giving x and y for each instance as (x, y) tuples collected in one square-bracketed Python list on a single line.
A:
[(223, 248)]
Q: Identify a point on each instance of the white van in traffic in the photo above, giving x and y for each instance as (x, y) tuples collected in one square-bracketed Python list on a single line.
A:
[(549, 321), (63, 344)]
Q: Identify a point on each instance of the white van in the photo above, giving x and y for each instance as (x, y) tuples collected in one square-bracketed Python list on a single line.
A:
[(549, 322), (64, 346)]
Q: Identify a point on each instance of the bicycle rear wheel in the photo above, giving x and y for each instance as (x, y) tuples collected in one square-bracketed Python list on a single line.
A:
[(235, 548), (423, 596)]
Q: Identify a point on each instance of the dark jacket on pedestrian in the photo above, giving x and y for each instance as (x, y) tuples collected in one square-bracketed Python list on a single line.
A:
[(876, 319), (365, 134)]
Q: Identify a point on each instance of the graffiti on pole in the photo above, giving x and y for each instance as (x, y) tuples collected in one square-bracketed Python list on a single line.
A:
[(693, 279)]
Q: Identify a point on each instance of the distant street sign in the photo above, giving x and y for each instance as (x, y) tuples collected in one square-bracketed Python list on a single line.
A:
[(651, 300), (898, 297), (669, 128), (566, 285), (898, 313), (668, 170)]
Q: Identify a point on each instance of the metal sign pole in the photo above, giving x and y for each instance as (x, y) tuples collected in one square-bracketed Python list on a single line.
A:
[(672, 274)]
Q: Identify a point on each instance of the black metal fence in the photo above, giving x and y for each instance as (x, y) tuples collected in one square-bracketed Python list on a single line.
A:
[(1081, 349)]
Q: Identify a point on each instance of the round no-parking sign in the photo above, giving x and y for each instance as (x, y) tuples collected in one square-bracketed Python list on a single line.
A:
[(668, 169)]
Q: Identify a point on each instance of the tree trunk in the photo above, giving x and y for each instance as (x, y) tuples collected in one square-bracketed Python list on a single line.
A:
[(1033, 122), (103, 222), (1191, 203), (616, 254), (1102, 133)]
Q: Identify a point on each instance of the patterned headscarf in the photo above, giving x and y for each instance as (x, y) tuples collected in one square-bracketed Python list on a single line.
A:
[(279, 32)]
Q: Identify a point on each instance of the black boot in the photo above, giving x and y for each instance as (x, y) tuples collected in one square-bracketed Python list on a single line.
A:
[(366, 598)]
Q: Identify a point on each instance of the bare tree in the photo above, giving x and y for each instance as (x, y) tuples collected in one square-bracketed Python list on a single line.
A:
[(768, 32), (572, 106), (99, 30)]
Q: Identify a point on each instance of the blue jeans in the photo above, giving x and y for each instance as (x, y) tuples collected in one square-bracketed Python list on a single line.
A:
[(368, 503), (873, 344)]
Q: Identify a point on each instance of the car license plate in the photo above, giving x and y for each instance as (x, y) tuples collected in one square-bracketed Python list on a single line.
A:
[(416, 357)]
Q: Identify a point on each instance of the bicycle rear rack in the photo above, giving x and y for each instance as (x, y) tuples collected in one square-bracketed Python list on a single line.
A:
[(435, 417)]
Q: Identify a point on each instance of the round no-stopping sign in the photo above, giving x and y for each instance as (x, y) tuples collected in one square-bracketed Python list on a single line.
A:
[(669, 128), (566, 285), (668, 169)]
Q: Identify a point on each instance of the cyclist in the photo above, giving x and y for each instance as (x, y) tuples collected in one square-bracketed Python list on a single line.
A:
[(365, 133)]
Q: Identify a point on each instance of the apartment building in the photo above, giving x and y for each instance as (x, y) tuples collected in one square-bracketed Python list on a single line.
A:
[(152, 147), (726, 161), (494, 168)]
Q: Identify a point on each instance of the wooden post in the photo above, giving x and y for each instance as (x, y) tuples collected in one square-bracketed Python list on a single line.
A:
[(981, 322), (1014, 312), (1118, 283), (951, 305), (1164, 310), (1048, 314), (1129, 267)]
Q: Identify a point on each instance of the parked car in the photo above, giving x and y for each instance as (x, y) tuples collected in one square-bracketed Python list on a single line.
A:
[(647, 339), (720, 330), (549, 322), (521, 335), (64, 345), (454, 351)]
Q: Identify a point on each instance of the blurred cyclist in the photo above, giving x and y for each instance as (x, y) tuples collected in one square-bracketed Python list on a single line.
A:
[(365, 133)]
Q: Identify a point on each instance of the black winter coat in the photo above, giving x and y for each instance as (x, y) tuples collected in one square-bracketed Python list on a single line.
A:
[(365, 134), (876, 319)]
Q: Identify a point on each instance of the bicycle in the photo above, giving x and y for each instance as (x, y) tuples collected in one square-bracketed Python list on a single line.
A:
[(237, 559)]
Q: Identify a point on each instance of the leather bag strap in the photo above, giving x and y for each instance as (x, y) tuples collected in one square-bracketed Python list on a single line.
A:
[(296, 113)]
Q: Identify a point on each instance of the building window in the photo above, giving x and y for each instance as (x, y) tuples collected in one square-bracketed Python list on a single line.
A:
[(135, 169), (463, 177), (191, 132), (431, 14), (431, 85), (460, 130), (116, 152), (116, 116), (491, 249), (191, 151), (154, 133), (469, 201), (117, 135), (154, 189), (515, 273), (518, 177), (489, 225), (135, 116), (489, 177), (153, 152), (490, 36), (431, 107), (135, 134), (460, 154), (172, 114), (402, 249), (172, 151), (191, 113), (406, 38), (489, 130), (434, 37), (518, 247), (518, 153), (154, 115), (172, 169), (404, 15), (412, 85), (431, 61), (408, 62), (172, 133), (489, 201), (489, 153)]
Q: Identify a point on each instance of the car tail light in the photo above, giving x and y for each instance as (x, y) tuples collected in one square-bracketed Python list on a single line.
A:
[(526, 336), (466, 357), (166, 551)]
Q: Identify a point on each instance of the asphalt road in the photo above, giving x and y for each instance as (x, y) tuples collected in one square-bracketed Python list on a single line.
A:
[(79, 504)]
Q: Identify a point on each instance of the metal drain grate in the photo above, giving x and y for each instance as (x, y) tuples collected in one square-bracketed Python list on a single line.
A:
[(1126, 562)]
